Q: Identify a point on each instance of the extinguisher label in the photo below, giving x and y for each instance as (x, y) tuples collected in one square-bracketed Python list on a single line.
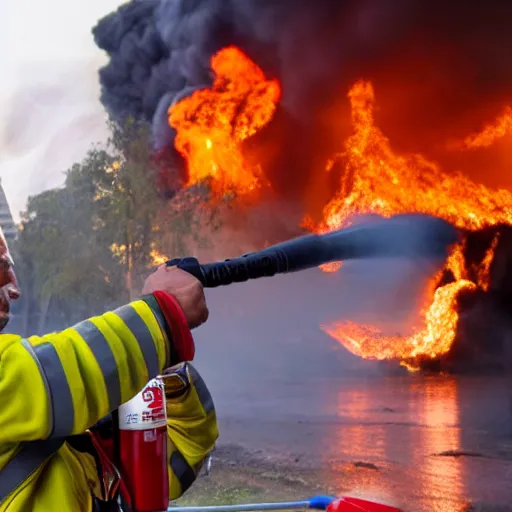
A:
[(150, 436), (146, 410)]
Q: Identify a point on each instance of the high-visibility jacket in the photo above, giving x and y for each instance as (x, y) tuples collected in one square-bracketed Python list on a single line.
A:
[(60, 384)]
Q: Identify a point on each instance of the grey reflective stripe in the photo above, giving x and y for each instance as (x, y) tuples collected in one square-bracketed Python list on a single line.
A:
[(30, 456), (141, 332), (155, 309), (162, 323), (151, 301), (181, 468), (57, 387), (202, 391), (104, 356), (30, 349)]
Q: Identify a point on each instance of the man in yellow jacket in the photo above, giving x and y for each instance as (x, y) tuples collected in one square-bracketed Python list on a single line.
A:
[(55, 388)]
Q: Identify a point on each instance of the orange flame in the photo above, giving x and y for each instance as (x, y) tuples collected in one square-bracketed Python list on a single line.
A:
[(491, 133), (212, 123), (376, 180), (484, 270), (433, 340)]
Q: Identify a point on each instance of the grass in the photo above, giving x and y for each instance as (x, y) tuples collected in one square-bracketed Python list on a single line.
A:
[(230, 486), (243, 482)]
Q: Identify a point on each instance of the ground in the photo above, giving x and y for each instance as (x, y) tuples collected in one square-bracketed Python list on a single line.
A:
[(241, 477), (298, 418)]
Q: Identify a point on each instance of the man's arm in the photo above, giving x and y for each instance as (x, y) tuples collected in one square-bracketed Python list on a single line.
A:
[(62, 383)]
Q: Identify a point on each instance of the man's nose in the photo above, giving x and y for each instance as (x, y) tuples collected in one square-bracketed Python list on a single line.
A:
[(8, 278)]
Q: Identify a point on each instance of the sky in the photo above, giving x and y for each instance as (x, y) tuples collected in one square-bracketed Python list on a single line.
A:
[(50, 112)]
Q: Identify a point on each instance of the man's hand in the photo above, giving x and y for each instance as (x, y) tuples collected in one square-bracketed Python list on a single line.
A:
[(187, 290)]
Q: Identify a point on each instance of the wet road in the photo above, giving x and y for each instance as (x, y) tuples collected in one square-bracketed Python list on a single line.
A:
[(438, 443), (286, 389)]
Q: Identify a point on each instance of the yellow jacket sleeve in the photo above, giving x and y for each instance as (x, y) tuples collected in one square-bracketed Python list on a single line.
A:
[(62, 383), (192, 433)]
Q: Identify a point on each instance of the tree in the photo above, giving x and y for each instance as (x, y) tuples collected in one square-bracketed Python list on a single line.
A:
[(64, 260), (130, 202), (86, 246)]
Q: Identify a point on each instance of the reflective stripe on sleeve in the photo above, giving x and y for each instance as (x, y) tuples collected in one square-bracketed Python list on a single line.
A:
[(138, 327), (202, 391), (181, 468), (57, 388), (157, 313), (30, 457), (104, 356), (171, 355)]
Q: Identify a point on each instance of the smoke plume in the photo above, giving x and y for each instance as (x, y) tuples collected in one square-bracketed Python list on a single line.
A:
[(160, 49), (437, 69)]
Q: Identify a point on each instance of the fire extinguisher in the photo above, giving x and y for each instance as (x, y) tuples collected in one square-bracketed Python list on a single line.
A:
[(142, 448)]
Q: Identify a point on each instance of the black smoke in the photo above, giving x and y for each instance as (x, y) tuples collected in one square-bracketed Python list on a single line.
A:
[(160, 50), (431, 62)]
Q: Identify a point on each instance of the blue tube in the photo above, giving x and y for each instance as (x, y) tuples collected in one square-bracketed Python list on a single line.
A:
[(320, 502), (315, 503)]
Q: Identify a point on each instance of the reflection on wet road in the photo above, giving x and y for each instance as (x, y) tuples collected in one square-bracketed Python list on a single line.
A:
[(412, 435), (424, 443)]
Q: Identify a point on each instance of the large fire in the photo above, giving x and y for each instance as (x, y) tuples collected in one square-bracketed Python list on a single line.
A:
[(212, 123), (385, 183)]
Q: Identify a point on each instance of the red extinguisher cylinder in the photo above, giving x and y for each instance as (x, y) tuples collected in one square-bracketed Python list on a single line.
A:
[(143, 448)]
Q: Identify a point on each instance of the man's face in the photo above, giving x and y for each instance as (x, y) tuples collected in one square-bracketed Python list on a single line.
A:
[(8, 284)]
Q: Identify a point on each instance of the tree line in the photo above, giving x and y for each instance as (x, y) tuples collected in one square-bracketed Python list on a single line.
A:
[(87, 246)]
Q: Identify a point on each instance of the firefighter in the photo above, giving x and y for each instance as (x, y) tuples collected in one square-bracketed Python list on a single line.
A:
[(57, 390)]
